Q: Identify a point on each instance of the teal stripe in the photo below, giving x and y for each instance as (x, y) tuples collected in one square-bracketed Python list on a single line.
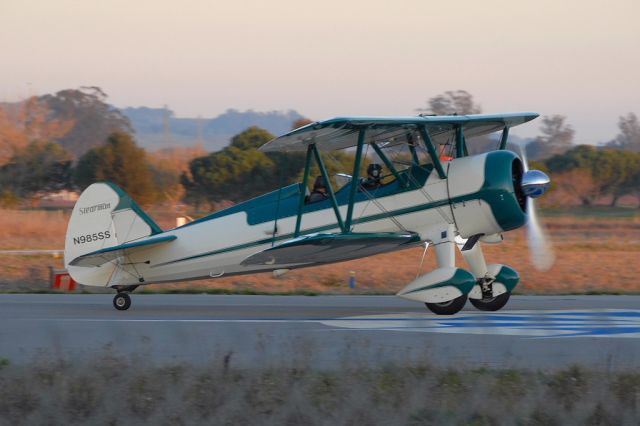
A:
[(399, 212)]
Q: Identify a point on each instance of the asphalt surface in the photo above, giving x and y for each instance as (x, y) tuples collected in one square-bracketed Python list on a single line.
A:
[(545, 332)]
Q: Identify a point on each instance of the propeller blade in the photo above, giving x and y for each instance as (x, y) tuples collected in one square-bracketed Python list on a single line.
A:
[(540, 249), (523, 157)]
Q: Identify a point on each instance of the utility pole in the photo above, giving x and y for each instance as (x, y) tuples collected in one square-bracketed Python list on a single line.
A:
[(166, 131), (200, 125)]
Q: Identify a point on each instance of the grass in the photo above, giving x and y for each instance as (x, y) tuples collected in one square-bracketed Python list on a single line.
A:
[(110, 390), (592, 212)]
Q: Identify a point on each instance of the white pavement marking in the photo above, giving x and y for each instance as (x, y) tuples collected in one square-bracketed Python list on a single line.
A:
[(569, 323), (575, 323)]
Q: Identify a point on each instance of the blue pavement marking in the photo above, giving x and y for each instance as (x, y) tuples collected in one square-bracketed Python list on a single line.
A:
[(539, 324)]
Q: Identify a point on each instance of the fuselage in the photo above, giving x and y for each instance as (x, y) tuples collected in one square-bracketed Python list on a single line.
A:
[(476, 197)]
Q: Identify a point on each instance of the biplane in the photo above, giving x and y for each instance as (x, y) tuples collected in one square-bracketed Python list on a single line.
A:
[(430, 189)]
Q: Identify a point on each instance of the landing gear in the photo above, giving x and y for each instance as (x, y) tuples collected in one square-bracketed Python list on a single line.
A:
[(493, 303), (448, 308), (122, 301)]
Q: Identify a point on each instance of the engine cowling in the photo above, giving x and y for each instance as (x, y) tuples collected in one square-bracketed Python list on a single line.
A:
[(486, 193)]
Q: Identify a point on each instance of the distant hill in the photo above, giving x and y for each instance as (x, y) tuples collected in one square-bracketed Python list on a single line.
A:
[(158, 128)]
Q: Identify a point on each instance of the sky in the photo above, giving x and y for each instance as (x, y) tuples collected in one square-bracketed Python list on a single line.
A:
[(330, 58)]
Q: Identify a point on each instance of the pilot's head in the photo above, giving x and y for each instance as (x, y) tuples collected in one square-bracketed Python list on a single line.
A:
[(374, 171), (319, 184)]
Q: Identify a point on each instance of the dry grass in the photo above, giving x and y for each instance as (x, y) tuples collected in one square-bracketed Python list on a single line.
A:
[(593, 255), (112, 390), (32, 229)]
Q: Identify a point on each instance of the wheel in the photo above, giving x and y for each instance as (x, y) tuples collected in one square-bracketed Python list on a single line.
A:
[(122, 301), (448, 308), (493, 304)]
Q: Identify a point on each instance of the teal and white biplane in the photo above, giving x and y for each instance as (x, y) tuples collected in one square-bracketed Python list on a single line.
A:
[(425, 187)]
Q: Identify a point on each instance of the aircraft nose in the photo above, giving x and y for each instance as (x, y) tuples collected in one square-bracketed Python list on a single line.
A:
[(535, 183)]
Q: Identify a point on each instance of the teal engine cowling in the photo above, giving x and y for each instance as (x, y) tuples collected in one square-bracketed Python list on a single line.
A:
[(488, 194)]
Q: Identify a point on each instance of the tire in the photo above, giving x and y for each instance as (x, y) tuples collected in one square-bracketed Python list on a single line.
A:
[(493, 304), (122, 301), (448, 308)]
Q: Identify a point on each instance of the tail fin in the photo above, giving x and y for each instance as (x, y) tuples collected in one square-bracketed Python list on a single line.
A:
[(104, 216)]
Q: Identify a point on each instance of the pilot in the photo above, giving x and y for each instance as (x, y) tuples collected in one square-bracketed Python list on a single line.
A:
[(374, 177), (319, 192)]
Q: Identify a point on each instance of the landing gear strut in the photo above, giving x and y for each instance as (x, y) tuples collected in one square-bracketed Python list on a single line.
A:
[(122, 301)]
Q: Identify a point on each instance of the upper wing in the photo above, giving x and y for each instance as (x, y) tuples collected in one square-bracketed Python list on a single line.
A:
[(98, 257), (315, 249), (342, 132)]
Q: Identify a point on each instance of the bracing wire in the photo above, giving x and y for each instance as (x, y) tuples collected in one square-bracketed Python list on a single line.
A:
[(421, 188), (372, 199), (424, 254), (394, 153), (275, 222)]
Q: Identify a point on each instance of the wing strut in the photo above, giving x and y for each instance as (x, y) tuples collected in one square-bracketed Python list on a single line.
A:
[(332, 195), (432, 152), (460, 145), (303, 192), (355, 179), (505, 136)]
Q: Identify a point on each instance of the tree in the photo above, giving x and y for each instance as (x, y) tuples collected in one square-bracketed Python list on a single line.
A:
[(629, 136), (633, 182), (556, 138), (252, 138), (119, 161), (241, 171), (626, 171), (37, 169), (611, 172), (26, 122), (94, 119), (167, 166), (301, 122), (231, 174), (237, 172), (458, 102), (578, 183)]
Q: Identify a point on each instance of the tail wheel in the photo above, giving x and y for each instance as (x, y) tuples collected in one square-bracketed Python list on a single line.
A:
[(448, 308), (493, 304), (122, 301)]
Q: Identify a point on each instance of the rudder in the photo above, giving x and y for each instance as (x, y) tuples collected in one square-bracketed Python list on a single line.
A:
[(104, 216)]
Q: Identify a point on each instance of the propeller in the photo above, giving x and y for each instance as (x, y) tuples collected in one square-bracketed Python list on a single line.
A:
[(534, 184)]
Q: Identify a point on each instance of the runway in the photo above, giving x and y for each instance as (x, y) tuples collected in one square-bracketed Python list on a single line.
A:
[(322, 332)]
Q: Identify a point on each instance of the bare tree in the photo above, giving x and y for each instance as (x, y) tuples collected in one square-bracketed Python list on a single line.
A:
[(556, 138), (629, 136), (452, 102)]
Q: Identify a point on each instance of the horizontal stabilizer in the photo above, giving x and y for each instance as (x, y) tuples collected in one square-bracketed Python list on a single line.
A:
[(98, 257), (316, 249)]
